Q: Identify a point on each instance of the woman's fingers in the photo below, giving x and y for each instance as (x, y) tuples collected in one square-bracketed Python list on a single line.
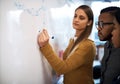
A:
[(39, 40), (43, 38), (46, 33)]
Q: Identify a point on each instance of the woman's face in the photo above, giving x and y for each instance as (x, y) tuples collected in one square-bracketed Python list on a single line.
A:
[(116, 34), (80, 20)]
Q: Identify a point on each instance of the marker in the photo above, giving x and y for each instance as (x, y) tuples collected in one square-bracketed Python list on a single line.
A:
[(52, 37)]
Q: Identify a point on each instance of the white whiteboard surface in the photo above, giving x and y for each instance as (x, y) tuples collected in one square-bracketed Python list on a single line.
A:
[(20, 59)]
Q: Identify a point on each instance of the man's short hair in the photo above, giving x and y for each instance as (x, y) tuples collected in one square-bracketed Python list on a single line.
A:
[(111, 9)]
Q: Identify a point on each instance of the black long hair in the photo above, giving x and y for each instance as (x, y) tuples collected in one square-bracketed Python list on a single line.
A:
[(117, 16)]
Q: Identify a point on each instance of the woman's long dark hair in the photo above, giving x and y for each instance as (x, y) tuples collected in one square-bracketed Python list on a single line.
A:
[(85, 34)]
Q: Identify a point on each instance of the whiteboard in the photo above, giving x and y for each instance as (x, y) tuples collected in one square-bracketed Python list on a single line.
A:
[(20, 59)]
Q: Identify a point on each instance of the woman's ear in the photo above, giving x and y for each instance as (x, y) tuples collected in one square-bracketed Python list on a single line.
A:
[(89, 23)]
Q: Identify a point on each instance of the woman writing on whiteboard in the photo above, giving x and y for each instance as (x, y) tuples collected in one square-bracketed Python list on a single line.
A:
[(78, 57)]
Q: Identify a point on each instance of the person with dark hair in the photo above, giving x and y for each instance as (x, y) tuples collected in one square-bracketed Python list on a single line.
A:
[(116, 30), (116, 41), (110, 63), (77, 63)]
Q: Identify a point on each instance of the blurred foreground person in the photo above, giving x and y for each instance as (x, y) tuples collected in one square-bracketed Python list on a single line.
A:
[(116, 31)]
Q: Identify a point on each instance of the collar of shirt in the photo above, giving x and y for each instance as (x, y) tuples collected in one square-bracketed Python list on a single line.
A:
[(74, 38)]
